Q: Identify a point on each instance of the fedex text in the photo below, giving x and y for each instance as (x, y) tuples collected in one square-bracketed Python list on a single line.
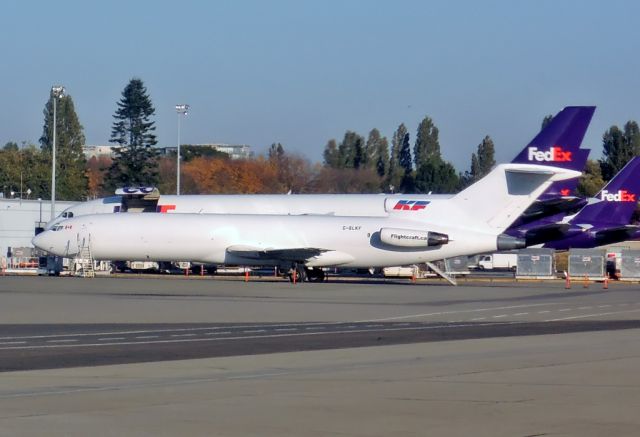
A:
[(554, 154), (620, 196)]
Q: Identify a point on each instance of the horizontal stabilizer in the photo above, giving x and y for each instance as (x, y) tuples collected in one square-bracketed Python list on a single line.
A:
[(615, 234), (544, 233)]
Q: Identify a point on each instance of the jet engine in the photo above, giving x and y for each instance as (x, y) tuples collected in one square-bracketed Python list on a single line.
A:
[(412, 237)]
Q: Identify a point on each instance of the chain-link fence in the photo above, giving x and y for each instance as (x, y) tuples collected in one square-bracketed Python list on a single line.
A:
[(587, 263), (535, 264), (630, 265), (458, 265)]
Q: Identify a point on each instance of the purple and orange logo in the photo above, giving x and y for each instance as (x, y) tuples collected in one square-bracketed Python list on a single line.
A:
[(411, 205), (619, 196), (554, 154)]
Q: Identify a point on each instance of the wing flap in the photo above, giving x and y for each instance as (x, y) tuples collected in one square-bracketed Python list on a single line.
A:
[(299, 254)]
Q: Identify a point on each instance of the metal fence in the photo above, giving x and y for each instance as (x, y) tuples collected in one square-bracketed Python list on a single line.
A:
[(458, 265), (587, 263), (630, 265), (536, 264)]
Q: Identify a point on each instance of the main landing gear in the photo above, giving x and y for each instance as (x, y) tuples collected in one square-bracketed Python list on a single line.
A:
[(300, 273)]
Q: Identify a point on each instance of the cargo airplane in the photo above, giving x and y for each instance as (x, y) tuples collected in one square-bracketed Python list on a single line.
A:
[(471, 222)]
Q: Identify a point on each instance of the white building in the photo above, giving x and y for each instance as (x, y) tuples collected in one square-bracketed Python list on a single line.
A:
[(235, 151), (19, 219), (91, 151)]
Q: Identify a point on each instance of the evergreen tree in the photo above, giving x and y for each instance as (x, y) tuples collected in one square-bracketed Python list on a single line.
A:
[(618, 148), (407, 182), (382, 157), (427, 145), (276, 152), (482, 161), (351, 150), (405, 154), (436, 175), (331, 154), (11, 146), (136, 160), (395, 171), (377, 153), (371, 148), (632, 137), (591, 180), (71, 180)]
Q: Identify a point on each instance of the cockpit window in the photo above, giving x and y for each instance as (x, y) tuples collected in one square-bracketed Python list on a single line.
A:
[(69, 214), (57, 228)]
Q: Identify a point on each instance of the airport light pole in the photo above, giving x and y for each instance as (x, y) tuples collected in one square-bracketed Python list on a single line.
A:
[(57, 91), (182, 110)]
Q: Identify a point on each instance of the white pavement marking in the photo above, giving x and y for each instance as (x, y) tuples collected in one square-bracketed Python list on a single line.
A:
[(499, 316), (12, 342), (520, 314), (592, 315), (478, 318), (184, 335), (62, 341), (252, 337), (109, 339), (442, 313), (565, 310), (145, 337)]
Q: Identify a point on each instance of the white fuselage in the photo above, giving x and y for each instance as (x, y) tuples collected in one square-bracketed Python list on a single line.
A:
[(349, 241)]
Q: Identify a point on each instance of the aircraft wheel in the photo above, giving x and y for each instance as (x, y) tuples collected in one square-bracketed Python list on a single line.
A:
[(299, 272), (315, 275)]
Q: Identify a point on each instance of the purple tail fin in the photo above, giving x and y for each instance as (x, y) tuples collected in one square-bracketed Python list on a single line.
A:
[(618, 199), (567, 187), (558, 143)]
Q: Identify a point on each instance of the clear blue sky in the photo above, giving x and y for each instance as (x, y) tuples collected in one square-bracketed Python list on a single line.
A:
[(302, 72)]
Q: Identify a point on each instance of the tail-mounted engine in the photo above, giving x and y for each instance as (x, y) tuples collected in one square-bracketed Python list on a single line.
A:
[(412, 238)]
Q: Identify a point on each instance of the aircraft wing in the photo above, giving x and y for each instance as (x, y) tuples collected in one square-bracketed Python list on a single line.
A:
[(298, 254)]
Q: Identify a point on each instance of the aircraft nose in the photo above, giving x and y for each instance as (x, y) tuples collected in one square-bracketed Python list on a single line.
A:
[(45, 241)]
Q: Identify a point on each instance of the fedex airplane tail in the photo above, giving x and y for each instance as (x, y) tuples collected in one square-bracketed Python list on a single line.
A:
[(617, 200), (553, 155), (558, 144)]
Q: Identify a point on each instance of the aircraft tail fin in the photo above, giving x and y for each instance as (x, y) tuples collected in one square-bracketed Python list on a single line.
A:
[(558, 143), (617, 201), (498, 199), (551, 158)]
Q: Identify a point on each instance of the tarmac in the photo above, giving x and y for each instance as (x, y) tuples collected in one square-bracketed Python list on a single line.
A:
[(501, 359)]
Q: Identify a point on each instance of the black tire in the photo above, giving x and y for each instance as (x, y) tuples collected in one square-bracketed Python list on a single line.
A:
[(315, 275)]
